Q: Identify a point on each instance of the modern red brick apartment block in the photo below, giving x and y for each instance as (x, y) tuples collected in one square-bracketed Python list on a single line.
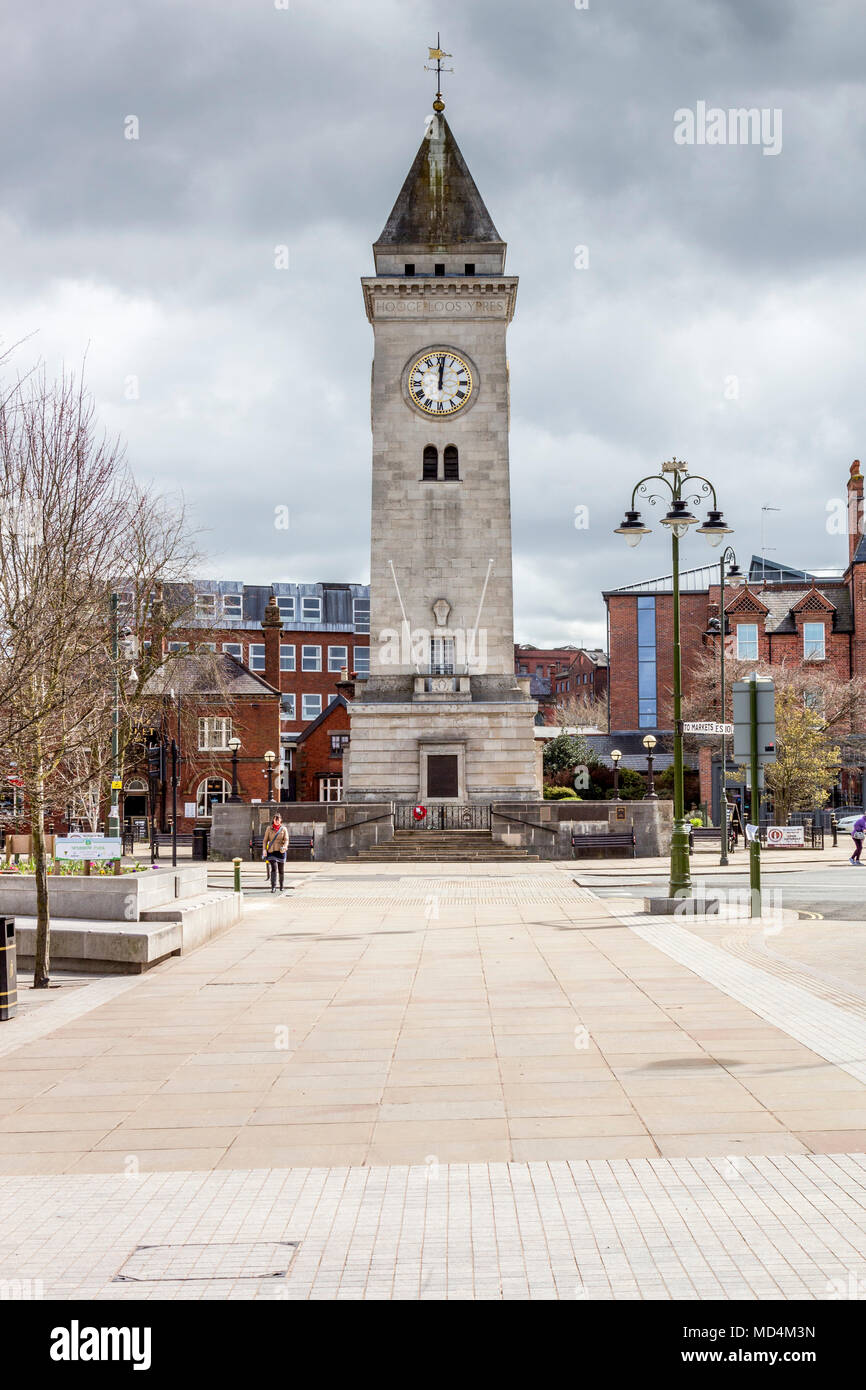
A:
[(779, 615), (299, 639)]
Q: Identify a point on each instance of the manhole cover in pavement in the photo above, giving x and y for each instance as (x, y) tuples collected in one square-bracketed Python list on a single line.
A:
[(260, 1259)]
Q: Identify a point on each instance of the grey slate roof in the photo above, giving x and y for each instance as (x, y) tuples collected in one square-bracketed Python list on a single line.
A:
[(439, 204), (213, 673), (781, 598)]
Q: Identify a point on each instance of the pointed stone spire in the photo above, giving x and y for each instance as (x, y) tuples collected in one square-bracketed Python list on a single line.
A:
[(439, 208)]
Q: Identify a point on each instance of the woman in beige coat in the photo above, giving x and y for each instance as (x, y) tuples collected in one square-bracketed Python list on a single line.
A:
[(275, 843)]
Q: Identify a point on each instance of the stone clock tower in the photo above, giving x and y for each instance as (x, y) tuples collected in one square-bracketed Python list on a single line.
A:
[(442, 717)]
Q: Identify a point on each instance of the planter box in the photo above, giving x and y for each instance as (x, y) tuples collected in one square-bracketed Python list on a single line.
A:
[(109, 899)]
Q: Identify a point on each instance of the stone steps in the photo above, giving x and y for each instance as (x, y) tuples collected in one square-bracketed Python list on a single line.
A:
[(444, 846)]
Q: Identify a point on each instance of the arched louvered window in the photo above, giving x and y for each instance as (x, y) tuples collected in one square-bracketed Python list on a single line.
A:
[(452, 462), (431, 463)]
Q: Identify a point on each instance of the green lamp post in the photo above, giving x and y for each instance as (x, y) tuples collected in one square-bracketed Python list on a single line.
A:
[(684, 488)]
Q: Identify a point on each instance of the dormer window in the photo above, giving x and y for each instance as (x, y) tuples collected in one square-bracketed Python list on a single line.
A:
[(814, 642), (439, 268), (409, 269), (470, 268)]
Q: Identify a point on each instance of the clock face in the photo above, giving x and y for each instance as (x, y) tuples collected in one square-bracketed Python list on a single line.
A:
[(440, 382)]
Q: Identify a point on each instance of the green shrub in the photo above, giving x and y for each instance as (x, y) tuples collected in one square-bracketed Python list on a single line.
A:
[(560, 794)]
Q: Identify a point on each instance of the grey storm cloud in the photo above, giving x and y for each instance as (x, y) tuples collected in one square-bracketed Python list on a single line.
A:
[(717, 317)]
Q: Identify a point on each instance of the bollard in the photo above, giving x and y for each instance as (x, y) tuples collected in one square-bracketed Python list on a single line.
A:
[(237, 864), (833, 828), (8, 970)]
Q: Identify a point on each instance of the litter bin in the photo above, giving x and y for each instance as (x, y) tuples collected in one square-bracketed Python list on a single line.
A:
[(199, 842), (8, 970)]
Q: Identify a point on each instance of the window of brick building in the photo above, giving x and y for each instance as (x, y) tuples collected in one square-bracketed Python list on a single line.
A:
[(813, 642), (287, 656), (361, 614), (361, 661), (286, 605), (311, 658), (214, 734), (234, 649), (338, 657), (287, 706), (257, 656), (338, 743), (311, 707), (205, 605), (330, 789), (747, 641), (311, 610), (233, 605), (646, 663)]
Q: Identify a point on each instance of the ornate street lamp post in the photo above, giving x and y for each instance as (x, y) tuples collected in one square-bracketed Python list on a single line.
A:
[(234, 745), (684, 488), (615, 756), (270, 759), (649, 744)]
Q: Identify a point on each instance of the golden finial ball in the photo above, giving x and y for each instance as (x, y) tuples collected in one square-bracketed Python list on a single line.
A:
[(438, 104)]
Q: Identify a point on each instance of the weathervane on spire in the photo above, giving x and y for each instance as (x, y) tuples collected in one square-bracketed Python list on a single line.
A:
[(438, 54)]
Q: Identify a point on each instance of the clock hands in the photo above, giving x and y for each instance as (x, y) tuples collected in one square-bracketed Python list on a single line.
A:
[(441, 371)]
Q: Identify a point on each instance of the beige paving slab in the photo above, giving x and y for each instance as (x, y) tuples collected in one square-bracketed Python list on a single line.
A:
[(583, 1147), (568, 1126), (130, 1139), (729, 1144), (834, 1141), (314, 1114), (147, 1161), (297, 1155)]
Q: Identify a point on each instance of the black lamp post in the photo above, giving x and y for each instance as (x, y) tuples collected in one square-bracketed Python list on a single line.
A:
[(649, 744), (270, 759), (733, 572), (682, 488), (615, 756), (234, 745)]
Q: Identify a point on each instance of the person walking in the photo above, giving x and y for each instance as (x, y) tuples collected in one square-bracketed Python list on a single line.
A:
[(275, 843), (858, 830)]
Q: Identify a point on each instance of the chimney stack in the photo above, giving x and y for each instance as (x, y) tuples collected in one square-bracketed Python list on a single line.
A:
[(855, 509), (272, 625)]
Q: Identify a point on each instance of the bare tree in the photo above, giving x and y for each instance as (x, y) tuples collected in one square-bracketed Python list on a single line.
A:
[(81, 528)]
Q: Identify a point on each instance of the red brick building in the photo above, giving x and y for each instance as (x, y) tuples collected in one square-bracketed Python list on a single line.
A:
[(203, 704), (299, 638), (777, 615), (320, 754), (561, 674)]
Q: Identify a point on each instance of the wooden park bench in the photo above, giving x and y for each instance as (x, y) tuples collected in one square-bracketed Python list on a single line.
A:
[(615, 839), (163, 838)]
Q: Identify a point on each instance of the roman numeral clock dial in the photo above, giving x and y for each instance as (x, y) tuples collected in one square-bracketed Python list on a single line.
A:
[(440, 382)]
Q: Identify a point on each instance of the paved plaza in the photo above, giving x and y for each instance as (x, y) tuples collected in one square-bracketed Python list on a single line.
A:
[(446, 1081)]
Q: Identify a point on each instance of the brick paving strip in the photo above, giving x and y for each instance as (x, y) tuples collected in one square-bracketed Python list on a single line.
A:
[(774, 1227), (433, 1084)]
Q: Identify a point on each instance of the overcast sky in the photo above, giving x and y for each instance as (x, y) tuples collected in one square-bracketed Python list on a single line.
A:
[(719, 318)]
